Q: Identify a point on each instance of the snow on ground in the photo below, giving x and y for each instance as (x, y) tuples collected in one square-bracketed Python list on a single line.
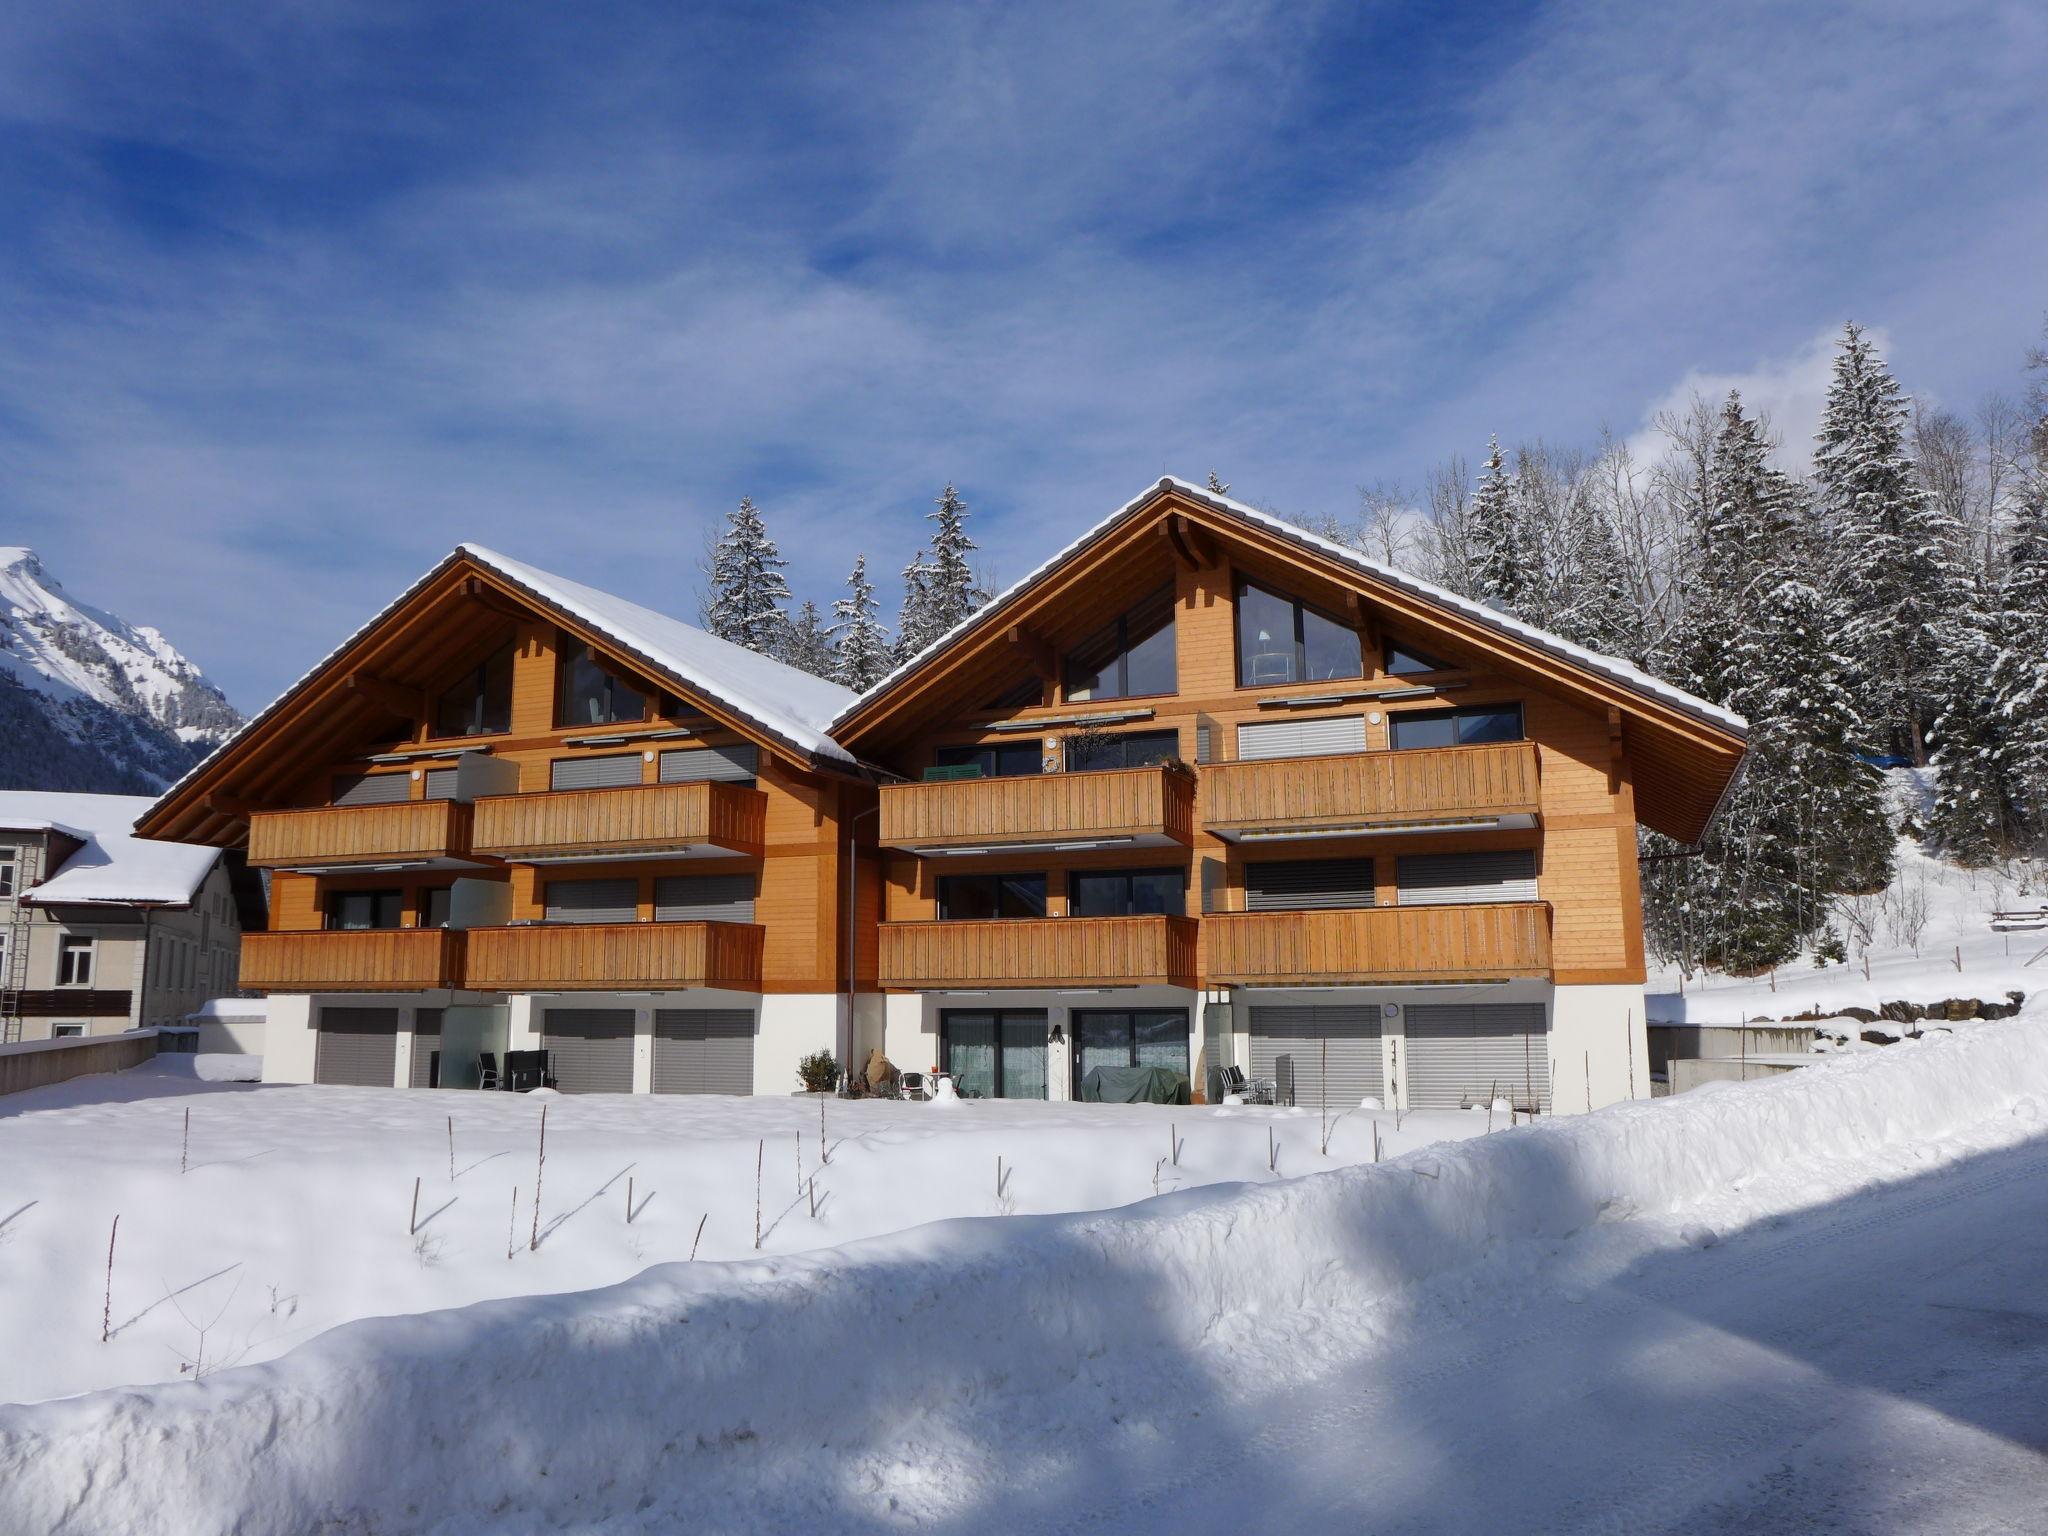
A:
[(1808, 1303), (291, 1215)]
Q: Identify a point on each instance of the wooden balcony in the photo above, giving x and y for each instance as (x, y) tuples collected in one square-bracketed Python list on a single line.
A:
[(636, 820), (1040, 952), (1371, 791), (1142, 807), (1378, 944), (601, 957), (366, 960), (339, 836)]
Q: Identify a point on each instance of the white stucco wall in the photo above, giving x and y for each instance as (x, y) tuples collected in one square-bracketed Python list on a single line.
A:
[(1598, 1032), (288, 1039)]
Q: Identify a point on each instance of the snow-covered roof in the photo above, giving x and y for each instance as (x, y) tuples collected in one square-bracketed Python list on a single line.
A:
[(242, 1008), (783, 700), (1612, 667), (115, 867)]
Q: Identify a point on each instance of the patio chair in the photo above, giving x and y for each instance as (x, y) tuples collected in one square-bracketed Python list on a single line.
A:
[(912, 1085), (527, 1069), (1254, 1090), (486, 1069)]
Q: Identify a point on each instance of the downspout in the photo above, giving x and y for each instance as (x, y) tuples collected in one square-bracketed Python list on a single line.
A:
[(852, 938), (142, 990)]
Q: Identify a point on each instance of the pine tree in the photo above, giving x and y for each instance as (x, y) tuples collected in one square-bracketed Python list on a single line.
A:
[(806, 642), (747, 587), (863, 642), (952, 594), (1500, 559), (914, 627), (1594, 604)]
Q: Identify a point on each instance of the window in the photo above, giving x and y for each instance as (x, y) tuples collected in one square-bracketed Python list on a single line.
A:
[(1128, 658), (590, 694), (1127, 893), (1025, 694), (1124, 749), (74, 961), (67, 1031), (1403, 658), (963, 897), (1283, 640), (995, 1054), (479, 703), (995, 759), (354, 910), (434, 906), (1141, 1037), (8, 865), (1457, 727)]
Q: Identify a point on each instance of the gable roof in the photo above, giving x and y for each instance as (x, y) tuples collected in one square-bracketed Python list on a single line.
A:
[(114, 867)]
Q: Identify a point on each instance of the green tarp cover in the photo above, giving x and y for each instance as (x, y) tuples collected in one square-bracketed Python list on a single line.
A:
[(1134, 1085)]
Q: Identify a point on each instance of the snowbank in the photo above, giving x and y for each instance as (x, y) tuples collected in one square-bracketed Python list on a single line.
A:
[(883, 1381)]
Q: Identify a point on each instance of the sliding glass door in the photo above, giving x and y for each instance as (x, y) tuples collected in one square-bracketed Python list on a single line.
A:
[(1129, 1037), (995, 1053)]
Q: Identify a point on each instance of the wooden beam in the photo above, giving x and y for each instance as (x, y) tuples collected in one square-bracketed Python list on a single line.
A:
[(477, 590), (235, 807), (1613, 750), (406, 703), (1035, 649), (1176, 539)]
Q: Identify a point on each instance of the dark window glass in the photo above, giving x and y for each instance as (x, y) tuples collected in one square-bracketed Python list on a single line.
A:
[(365, 909), (999, 1054), (479, 703), (590, 694), (1403, 659), (1146, 1037), (967, 897), (1132, 656), (1027, 693), (995, 759), (1127, 893), (1458, 727), (1125, 749), (1282, 640), (437, 900)]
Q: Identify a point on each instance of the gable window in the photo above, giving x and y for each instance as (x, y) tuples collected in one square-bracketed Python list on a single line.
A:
[(1127, 892), (1121, 749), (479, 703), (995, 759), (1025, 694), (355, 911), (590, 693), (1130, 657), (1457, 727), (970, 897), (1283, 640), (1403, 659), (74, 961)]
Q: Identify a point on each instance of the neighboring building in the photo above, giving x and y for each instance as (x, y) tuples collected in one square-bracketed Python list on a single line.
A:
[(101, 931), (228, 1026), (1204, 789)]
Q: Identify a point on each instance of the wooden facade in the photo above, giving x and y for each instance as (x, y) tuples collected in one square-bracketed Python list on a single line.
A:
[(1040, 952), (374, 960), (415, 831), (1492, 942), (573, 957), (1379, 789), (1155, 804), (610, 823)]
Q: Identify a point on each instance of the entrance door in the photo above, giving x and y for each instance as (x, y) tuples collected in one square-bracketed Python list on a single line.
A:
[(703, 1050), (357, 1047), (995, 1053), (1129, 1037), (590, 1050), (1459, 1053), (1292, 1045)]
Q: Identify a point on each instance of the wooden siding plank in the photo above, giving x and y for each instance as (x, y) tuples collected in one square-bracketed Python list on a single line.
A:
[(1378, 944), (1499, 779), (628, 819), (360, 834), (364, 960), (1050, 952), (1123, 802), (604, 956)]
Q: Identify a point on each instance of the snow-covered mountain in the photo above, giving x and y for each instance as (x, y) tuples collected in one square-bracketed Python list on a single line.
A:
[(89, 701)]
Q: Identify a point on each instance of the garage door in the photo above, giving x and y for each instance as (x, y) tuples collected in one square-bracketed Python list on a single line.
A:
[(1459, 1053), (357, 1047), (426, 1047), (590, 1050), (1288, 1045), (703, 1050)]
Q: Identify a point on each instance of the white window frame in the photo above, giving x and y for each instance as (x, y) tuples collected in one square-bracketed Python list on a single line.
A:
[(66, 948), (10, 871), (67, 1031)]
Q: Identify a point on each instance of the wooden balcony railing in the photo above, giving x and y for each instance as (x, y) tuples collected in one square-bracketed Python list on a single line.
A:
[(366, 960), (1152, 805), (407, 832), (1040, 952), (1373, 944), (1305, 794), (584, 957), (634, 819)]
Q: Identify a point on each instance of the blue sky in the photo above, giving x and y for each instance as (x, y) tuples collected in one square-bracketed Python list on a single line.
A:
[(296, 296)]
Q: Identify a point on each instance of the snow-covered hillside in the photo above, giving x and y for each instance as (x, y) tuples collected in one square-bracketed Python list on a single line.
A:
[(89, 701)]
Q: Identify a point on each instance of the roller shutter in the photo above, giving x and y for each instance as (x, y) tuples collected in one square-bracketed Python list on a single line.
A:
[(440, 783), (357, 1047), (1460, 1053), (1288, 1046), (739, 763), (1452, 879), (594, 772), (1302, 738), (590, 1050), (593, 901), (1294, 885), (426, 1040), (703, 1050), (704, 898), (373, 789)]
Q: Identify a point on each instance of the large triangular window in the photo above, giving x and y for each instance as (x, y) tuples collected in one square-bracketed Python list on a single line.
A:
[(1129, 658), (1283, 640), (478, 703)]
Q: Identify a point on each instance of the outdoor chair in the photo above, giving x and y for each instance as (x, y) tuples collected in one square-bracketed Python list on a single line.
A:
[(913, 1086), (527, 1069), (1254, 1090), (486, 1069)]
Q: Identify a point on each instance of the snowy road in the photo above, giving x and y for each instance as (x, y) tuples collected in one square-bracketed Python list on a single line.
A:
[(1879, 1365)]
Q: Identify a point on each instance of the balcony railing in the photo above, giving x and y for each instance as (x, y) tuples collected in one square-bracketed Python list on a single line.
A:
[(365, 960), (1138, 806), (638, 819), (599, 957), (407, 832), (1378, 944), (1369, 791), (1040, 952)]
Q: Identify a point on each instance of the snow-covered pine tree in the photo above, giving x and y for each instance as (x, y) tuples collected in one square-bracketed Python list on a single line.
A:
[(952, 593), (806, 642), (747, 587), (1500, 560), (914, 627), (1594, 603), (1899, 567), (864, 648)]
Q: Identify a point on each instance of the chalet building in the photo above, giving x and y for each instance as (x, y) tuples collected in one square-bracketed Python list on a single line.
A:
[(1203, 790), (101, 931)]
